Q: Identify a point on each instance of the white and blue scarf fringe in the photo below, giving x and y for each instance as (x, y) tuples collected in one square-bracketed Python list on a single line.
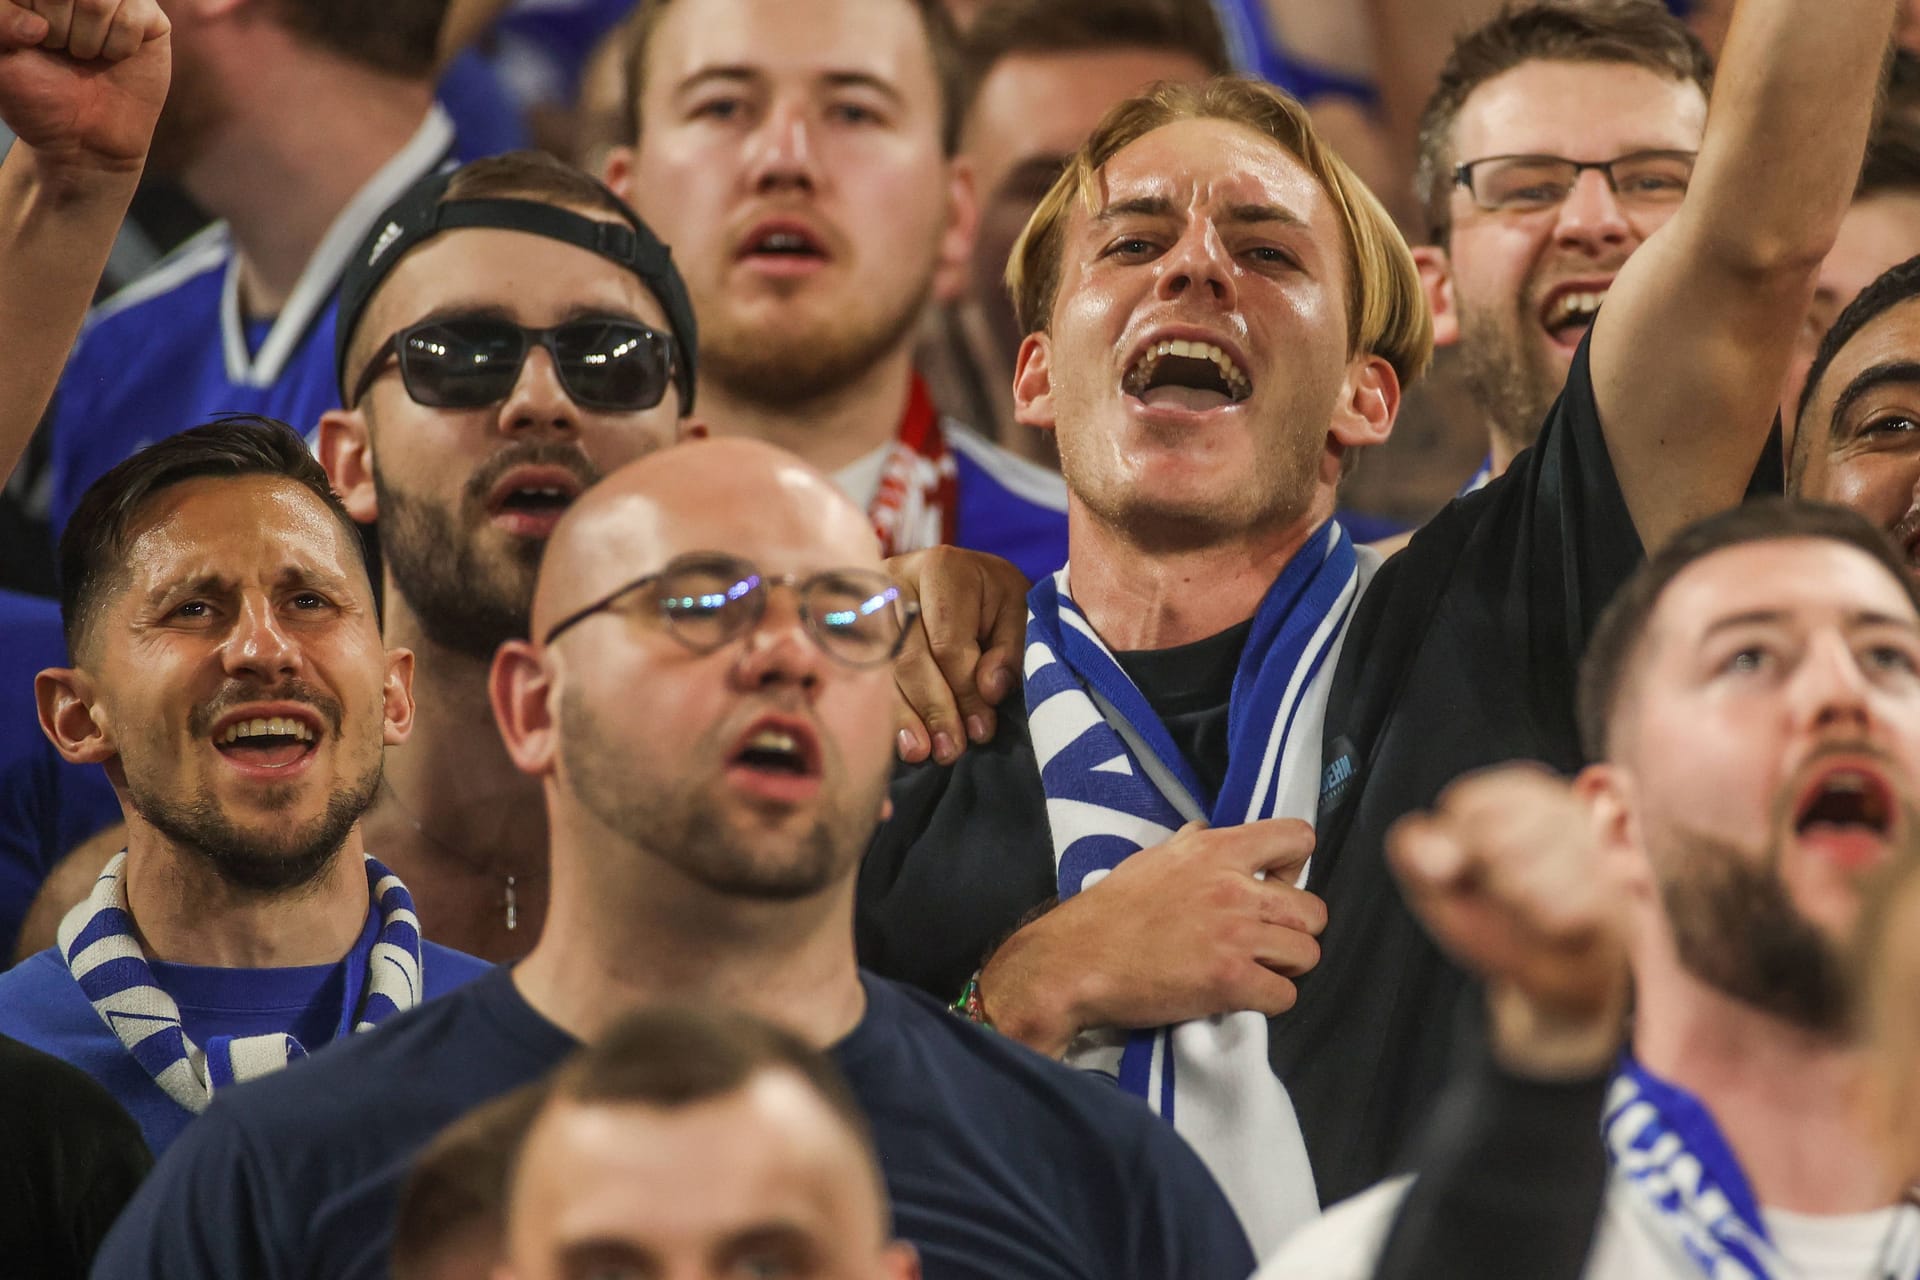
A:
[(1115, 783), (98, 943), (1684, 1179)]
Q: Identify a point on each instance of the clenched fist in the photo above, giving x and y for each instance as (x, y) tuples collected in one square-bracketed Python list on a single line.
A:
[(82, 81)]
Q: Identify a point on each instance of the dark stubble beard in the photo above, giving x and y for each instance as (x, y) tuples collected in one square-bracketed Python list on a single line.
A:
[(1506, 377), (469, 599), (676, 822), (1736, 929), (280, 861)]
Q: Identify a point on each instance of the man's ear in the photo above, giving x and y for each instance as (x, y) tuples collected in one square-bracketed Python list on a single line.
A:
[(1436, 281), (64, 697), (397, 696), (1610, 797), (1033, 382), (617, 172), (521, 689), (953, 269), (1369, 400), (346, 451)]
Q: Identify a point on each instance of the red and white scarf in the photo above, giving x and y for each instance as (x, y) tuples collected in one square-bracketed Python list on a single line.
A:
[(917, 504)]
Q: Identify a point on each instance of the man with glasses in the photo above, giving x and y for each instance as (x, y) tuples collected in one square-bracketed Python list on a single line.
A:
[(1559, 138), (707, 707), (508, 332)]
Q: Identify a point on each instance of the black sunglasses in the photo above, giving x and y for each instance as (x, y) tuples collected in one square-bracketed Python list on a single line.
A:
[(468, 362), (707, 599)]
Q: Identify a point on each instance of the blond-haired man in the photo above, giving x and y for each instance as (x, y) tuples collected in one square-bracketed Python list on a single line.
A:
[(1219, 318)]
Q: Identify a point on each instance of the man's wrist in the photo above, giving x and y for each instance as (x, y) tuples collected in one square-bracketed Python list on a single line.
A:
[(1022, 1004), (1534, 1042)]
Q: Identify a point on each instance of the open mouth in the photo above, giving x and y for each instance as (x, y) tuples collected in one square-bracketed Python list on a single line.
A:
[(777, 750), (783, 244), (531, 499), (1849, 812), (267, 742), (1182, 374), (1569, 313)]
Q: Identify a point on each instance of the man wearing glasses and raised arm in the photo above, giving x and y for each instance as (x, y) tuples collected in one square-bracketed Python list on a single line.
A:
[(1559, 138)]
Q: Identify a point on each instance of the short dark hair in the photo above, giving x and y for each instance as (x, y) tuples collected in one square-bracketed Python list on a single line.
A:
[(1622, 627), (459, 1183), (1008, 28), (1897, 284), (668, 1057), (94, 547), (1893, 161), (943, 43), (1640, 33), (399, 37)]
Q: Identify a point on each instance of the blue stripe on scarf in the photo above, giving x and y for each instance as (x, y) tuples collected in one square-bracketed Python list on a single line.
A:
[(1292, 612)]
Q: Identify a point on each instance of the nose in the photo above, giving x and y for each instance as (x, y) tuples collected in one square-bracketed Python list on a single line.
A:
[(779, 650), (539, 400), (780, 151), (1832, 694), (258, 645), (1199, 260), (1591, 217)]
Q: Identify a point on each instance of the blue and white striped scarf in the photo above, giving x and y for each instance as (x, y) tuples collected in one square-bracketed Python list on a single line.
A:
[(1668, 1152), (102, 952), (1116, 783)]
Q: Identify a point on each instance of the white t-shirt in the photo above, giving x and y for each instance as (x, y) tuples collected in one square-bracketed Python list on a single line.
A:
[(1345, 1243)]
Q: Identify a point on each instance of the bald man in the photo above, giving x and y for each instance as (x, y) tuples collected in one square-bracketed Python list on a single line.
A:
[(707, 704)]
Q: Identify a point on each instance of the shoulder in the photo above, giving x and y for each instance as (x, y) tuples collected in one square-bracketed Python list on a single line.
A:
[(1343, 1242), (1028, 481), (199, 262), (35, 986), (442, 969)]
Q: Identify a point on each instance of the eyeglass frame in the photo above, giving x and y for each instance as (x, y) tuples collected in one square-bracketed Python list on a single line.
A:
[(388, 352), (763, 584), (1463, 173)]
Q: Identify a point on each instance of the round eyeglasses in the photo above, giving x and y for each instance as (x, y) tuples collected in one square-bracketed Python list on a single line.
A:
[(707, 599)]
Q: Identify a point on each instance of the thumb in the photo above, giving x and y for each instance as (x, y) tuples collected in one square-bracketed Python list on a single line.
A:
[(20, 28)]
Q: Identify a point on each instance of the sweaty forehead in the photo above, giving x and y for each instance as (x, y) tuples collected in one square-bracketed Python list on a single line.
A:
[(1801, 581), (1208, 167), (880, 39), (241, 529)]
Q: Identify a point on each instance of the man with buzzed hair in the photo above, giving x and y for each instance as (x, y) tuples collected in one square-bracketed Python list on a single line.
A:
[(707, 703), (691, 1143), (800, 159)]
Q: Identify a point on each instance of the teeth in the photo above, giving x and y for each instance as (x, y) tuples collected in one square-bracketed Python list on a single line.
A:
[(784, 242), (1571, 305), (267, 727), (774, 740), (1142, 373)]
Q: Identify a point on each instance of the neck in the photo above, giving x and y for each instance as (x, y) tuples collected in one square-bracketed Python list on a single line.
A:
[(300, 144), (829, 431), (638, 931), (187, 913), (456, 818), (1784, 1098), (1140, 597)]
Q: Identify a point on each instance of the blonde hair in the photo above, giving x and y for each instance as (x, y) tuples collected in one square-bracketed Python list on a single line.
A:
[(1387, 312)]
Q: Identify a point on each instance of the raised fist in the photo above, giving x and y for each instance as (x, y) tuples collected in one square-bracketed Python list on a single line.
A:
[(82, 81)]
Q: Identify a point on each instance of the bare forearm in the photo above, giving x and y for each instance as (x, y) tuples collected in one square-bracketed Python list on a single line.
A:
[(1797, 86), (56, 230)]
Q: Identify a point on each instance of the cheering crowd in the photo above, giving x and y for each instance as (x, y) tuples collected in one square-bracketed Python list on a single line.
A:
[(1043, 638)]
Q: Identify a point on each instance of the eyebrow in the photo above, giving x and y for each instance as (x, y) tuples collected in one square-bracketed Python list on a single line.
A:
[(1855, 619), (1241, 214), (218, 583), (1880, 375), (832, 79)]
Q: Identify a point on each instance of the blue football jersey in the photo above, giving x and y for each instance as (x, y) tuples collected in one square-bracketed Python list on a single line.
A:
[(172, 350)]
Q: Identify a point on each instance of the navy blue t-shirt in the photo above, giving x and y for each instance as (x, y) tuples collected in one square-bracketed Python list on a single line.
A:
[(47, 806), (1000, 1163)]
